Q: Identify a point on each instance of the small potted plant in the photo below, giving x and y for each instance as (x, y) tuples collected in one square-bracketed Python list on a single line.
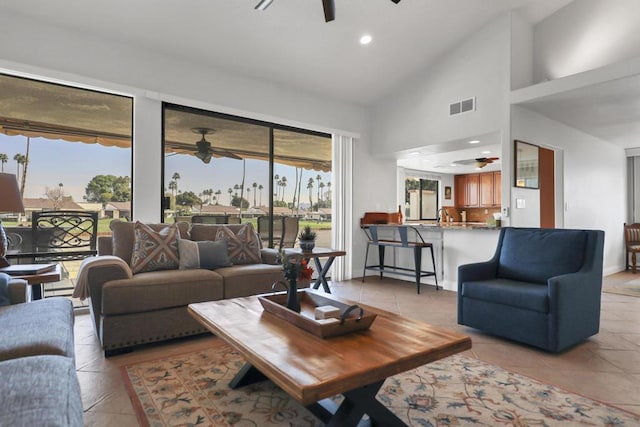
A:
[(307, 239)]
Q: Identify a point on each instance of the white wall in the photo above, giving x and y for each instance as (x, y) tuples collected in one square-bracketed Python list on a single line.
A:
[(595, 181), (40, 50), (417, 114), (585, 35)]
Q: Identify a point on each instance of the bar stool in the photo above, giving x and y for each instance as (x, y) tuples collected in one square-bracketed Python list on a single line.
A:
[(418, 245)]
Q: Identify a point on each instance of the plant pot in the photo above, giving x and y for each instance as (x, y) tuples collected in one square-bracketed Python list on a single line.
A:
[(307, 245)]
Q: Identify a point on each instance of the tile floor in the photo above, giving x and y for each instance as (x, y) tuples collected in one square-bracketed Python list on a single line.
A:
[(606, 367)]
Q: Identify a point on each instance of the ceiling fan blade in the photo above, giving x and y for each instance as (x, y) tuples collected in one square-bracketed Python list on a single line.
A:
[(465, 162), (263, 5), (225, 153), (329, 10)]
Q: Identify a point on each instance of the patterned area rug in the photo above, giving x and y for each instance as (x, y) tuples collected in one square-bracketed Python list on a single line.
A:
[(192, 390), (631, 289)]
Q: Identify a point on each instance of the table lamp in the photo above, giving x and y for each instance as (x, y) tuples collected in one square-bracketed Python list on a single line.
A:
[(10, 202)]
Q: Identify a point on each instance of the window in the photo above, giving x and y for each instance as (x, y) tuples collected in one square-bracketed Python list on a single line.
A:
[(70, 149), (223, 168), (421, 198)]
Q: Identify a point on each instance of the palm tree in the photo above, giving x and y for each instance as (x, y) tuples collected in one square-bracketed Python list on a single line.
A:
[(230, 191), (3, 159), (218, 193), (260, 187), (283, 183), (236, 188), (20, 160), (321, 187), (25, 166), (310, 188), (328, 189), (176, 177), (318, 178), (254, 185), (276, 178)]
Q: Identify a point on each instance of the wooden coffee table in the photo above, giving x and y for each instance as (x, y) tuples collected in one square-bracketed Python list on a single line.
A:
[(311, 369)]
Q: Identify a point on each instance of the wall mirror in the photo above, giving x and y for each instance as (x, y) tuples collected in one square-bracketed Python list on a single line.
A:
[(527, 165)]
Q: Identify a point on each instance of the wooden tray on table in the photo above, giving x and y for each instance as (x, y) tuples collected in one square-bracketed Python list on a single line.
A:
[(356, 319)]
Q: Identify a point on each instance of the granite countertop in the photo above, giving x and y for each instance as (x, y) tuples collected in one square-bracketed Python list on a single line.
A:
[(454, 225)]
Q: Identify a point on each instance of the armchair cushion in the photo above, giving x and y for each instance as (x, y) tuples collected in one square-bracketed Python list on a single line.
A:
[(531, 296), (536, 255)]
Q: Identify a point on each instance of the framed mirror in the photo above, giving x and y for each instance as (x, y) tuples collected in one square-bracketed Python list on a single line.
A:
[(527, 165)]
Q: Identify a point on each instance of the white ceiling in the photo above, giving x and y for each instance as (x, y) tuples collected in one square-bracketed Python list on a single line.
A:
[(289, 43), (609, 111), (440, 158)]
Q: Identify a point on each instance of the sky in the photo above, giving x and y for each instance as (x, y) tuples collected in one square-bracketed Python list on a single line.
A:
[(74, 164)]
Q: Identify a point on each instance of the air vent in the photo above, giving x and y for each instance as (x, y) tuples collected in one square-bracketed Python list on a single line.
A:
[(464, 106)]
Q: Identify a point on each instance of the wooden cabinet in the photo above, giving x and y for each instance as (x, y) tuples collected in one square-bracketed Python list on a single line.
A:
[(460, 190), (478, 190), (497, 188)]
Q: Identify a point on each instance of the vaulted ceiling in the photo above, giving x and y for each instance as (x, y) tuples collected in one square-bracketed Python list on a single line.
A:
[(289, 43)]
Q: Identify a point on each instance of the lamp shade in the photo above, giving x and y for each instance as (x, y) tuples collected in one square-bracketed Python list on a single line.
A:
[(10, 200)]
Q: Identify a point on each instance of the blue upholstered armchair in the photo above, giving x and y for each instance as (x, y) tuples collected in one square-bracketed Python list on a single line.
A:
[(542, 287)]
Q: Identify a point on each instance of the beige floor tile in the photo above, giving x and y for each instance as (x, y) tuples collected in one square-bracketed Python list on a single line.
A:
[(605, 367)]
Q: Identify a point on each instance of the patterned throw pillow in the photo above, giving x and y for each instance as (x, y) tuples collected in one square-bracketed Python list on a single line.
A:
[(244, 247), (154, 250), (203, 254)]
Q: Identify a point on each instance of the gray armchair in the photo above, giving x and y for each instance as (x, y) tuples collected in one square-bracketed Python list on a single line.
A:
[(13, 291), (542, 287)]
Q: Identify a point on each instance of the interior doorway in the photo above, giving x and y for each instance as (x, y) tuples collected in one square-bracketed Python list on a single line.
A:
[(547, 188)]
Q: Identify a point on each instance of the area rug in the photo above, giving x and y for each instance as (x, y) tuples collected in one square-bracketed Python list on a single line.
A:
[(631, 289), (192, 390)]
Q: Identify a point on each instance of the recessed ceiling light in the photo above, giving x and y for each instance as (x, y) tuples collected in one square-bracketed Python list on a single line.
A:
[(415, 153), (486, 152), (453, 164), (366, 39), (475, 141)]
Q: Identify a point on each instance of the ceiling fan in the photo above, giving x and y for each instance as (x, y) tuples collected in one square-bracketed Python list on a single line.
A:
[(328, 6), (204, 150), (479, 162)]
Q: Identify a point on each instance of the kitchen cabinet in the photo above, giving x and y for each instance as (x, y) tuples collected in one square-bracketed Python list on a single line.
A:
[(497, 188), (478, 190), (460, 190)]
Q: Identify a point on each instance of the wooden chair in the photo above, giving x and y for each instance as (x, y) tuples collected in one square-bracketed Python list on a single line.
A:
[(632, 244)]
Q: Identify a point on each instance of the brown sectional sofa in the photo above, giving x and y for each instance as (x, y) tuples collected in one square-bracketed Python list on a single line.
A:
[(130, 309)]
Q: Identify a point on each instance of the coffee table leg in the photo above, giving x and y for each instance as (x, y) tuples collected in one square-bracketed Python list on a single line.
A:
[(356, 403), (322, 274), (245, 376)]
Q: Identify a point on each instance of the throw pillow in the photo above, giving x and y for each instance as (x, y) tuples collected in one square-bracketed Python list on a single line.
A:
[(243, 246), (204, 254), (154, 250), (122, 237)]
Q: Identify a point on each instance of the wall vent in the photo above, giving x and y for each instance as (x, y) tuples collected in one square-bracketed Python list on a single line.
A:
[(464, 106)]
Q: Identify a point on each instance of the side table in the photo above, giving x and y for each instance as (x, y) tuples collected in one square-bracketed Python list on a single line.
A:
[(37, 281), (316, 254)]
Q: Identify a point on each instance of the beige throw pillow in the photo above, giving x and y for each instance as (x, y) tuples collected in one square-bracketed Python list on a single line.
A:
[(243, 246), (154, 250)]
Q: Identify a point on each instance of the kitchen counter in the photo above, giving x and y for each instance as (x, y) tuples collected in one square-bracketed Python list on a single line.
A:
[(454, 225)]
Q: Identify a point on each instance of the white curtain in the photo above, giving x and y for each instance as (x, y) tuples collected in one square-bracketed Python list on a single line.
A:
[(342, 210)]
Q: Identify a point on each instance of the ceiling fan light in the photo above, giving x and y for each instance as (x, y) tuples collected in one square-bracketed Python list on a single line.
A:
[(263, 4)]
